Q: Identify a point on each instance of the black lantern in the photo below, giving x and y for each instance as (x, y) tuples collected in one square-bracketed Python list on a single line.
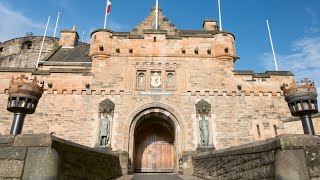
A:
[(302, 102), (23, 99)]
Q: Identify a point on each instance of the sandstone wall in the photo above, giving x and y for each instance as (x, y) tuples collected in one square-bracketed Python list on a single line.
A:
[(47, 157), (246, 106), (16, 53), (284, 157)]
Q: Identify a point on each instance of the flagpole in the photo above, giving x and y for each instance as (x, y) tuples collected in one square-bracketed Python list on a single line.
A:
[(82, 38), (157, 13), (105, 17), (274, 55), (55, 29), (44, 36), (220, 19)]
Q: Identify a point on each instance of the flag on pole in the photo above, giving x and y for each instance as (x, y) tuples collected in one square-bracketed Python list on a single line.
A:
[(108, 6), (108, 10)]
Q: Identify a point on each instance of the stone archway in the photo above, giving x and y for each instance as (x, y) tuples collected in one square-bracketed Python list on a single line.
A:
[(156, 126), (154, 145)]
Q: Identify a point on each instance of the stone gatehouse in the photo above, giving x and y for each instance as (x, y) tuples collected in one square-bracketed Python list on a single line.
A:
[(151, 92)]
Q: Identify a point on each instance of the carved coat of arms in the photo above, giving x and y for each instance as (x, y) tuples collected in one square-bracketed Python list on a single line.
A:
[(155, 80)]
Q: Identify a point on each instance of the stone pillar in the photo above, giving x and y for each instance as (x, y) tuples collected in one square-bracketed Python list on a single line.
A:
[(124, 161), (42, 164), (291, 165)]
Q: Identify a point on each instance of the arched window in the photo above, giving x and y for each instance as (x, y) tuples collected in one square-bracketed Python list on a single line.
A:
[(141, 80), (170, 80)]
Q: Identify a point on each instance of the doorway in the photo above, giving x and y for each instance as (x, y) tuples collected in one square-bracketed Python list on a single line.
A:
[(154, 146)]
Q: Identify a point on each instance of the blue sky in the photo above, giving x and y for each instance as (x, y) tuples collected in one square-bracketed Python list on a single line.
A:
[(295, 25)]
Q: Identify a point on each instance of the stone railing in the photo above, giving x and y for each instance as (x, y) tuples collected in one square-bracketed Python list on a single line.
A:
[(285, 157), (48, 157)]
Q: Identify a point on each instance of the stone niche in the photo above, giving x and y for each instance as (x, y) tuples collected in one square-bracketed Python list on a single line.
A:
[(204, 125)]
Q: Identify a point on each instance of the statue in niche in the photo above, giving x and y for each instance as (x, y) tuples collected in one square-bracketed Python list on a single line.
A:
[(104, 130), (204, 132)]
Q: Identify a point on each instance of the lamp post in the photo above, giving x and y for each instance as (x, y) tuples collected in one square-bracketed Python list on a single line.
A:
[(302, 102), (23, 99)]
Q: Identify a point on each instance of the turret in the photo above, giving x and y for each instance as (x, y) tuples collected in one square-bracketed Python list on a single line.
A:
[(101, 43), (224, 49)]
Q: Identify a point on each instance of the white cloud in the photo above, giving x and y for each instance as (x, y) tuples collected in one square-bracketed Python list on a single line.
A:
[(315, 21), (15, 24), (304, 61)]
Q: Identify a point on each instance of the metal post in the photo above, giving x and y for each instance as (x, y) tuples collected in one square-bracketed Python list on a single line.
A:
[(307, 124), (157, 14), (44, 37), (55, 29), (17, 124), (271, 42), (220, 19)]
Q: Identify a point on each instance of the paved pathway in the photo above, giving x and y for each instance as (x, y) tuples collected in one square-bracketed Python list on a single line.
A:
[(157, 176)]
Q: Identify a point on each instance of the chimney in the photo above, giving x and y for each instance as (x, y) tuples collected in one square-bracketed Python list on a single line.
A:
[(69, 38), (210, 25)]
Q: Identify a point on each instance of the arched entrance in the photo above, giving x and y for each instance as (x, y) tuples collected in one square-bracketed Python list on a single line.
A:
[(154, 146), (155, 138)]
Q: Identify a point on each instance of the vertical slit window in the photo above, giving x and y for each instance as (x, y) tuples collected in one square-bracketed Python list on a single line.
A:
[(275, 130), (258, 131)]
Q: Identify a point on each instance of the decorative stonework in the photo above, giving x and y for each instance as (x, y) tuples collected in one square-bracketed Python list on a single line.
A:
[(106, 106), (203, 107)]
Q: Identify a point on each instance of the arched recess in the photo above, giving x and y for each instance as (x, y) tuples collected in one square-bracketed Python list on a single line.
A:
[(160, 111)]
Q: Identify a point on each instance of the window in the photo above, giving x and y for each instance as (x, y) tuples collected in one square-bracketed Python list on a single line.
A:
[(1, 49), (275, 130), (258, 131), (141, 80), (170, 80), (26, 45)]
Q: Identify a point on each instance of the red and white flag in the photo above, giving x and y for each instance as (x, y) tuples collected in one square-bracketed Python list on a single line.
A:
[(108, 10), (108, 6)]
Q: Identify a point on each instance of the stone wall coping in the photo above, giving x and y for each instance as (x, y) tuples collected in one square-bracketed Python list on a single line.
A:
[(101, 30), (54, 63), (47, 140), (267, 74), (83, 91), (64, 145), (282, 142), (181, 34), (29, 38), (45, 72)]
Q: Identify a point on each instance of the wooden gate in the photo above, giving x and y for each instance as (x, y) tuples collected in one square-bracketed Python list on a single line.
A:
[(154, 151)]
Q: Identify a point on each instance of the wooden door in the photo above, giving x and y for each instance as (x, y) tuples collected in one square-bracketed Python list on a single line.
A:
[(154, 151)]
